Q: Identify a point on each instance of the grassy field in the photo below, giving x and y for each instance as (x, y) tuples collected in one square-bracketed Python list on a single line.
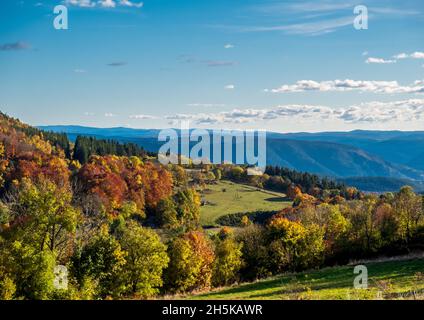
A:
[(388, 280), (237, 198)]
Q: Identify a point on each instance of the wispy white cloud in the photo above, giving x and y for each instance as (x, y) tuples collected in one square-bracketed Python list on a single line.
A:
[(319, 6), (299, 7), (414, 55), (388, 87), (379, 61), (207, 105), (305, 28), (80, 71), (14, 46), (417, 55), (180, 117), (117, 64), (185, 58), (190, 59), (331, 6), (104, 3), (400, 56), (230, 87), (369, 112), (81, 3), (220, 63), (228, 46), (394, 11), (142, 117), (395, 58), (127, 3), (107, 3), (317, 17)]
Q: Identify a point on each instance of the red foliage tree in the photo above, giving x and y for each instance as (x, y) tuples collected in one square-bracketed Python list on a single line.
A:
[(116, 180)]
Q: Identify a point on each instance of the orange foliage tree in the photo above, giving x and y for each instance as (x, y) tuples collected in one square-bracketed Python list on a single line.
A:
[(191, 262), (29, 157), (117, 180)]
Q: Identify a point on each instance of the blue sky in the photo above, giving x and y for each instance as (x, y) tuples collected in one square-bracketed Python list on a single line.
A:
[(277, 65)]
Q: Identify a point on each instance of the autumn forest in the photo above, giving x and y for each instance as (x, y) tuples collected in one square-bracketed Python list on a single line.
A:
[(127, 227)]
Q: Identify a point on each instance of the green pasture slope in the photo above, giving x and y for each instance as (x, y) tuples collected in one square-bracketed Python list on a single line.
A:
[(387, 280), (227, 197)]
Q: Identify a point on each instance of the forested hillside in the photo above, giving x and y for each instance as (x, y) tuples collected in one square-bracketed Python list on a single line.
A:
[(127, 227), (374, 154)]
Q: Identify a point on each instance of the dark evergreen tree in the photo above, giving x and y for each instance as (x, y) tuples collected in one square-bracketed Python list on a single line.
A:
[(88, 146)]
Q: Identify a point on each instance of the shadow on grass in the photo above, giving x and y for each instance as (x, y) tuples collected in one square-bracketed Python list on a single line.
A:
[(295, 283), (276, 199), (334, 278)]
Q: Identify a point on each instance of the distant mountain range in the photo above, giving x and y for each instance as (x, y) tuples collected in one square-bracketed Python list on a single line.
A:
[(371, 160)]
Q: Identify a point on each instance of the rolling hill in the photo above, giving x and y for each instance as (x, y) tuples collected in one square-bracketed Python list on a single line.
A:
[(393, 155), (334, 159)]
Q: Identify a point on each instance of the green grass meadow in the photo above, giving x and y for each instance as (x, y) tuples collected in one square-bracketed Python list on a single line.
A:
[(227, 197), (387, 280)]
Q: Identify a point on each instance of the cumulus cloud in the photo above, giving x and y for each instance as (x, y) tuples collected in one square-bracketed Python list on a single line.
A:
[(14, 46), (379, 61), (403, 111), (351, 85)]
